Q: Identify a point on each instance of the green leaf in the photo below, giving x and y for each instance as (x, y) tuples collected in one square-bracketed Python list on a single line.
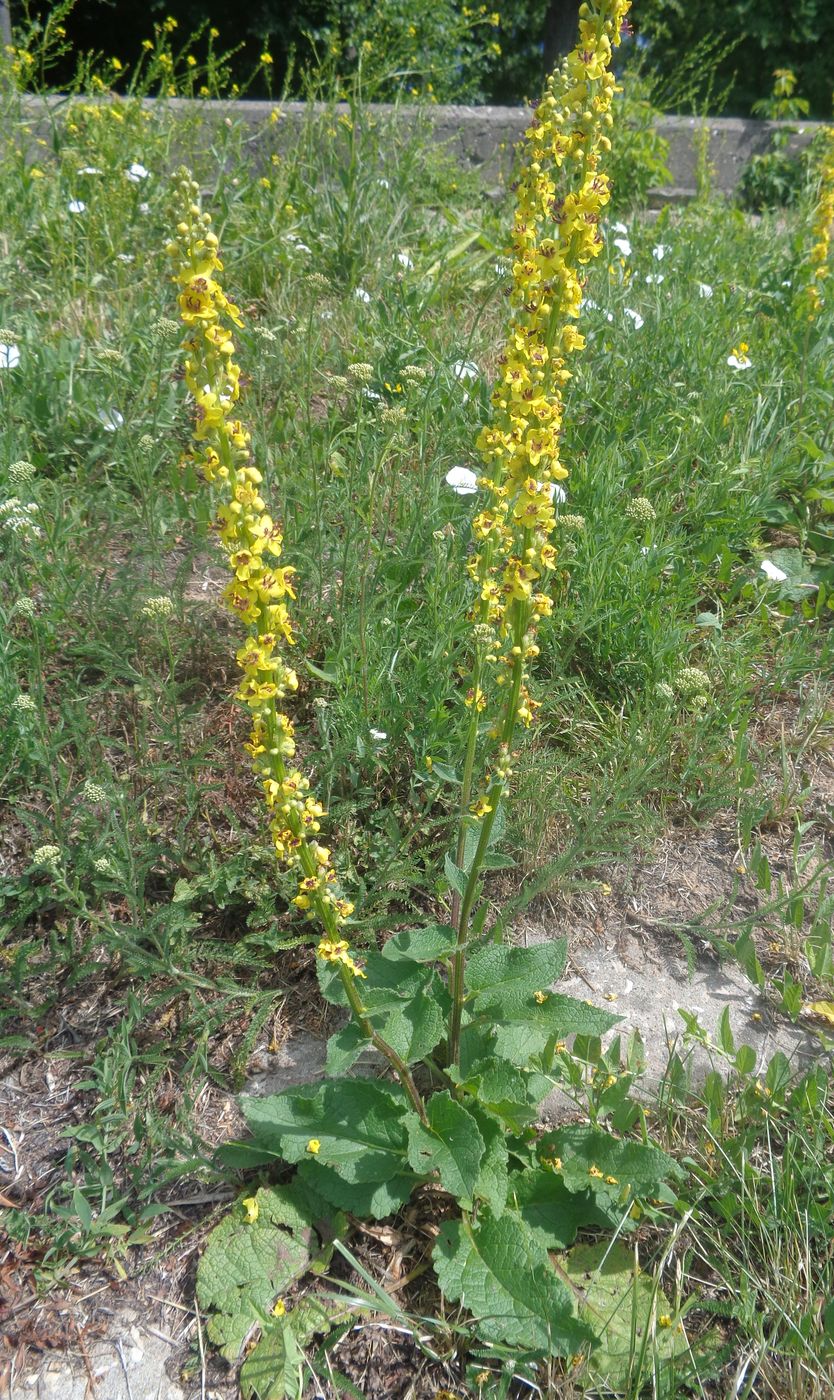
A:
[(390, 983), (455, 876), (358, 1123), (445, 773), (492, 1185), (509, 976), (422, 945), (637, 1165), (507, 1091), (504, 1278), (81, 1206), (415, 1030), (451, 1145), (526, 1032), (345, 1047), (274, 1368), (624, 1307), (552, 1213), (372, 1199), (246, 1265)]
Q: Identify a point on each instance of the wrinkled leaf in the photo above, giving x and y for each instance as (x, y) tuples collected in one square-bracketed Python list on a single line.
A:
[(450, 1145), (622, 1305), (504, 1278)]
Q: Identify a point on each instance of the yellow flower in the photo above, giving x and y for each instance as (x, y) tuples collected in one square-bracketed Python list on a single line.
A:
[(280, 1308), (250, 1205), (266, 59), (314, 1146)]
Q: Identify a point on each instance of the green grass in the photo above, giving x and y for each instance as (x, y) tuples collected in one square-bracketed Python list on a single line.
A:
[(365, 245)]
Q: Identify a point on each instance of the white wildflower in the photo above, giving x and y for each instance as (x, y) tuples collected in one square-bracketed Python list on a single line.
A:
[(462, 481), (635, 317), (137, 172)]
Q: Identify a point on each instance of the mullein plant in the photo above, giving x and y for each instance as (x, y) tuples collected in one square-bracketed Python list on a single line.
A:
[(470, 1027), (258, 592)]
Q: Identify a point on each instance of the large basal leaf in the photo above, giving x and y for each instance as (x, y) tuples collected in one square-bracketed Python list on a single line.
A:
[(248, 1263), (589, 1156), (552, 1213), (451, 1145), (622, 1305), (511, 975), (503, 1277), (358, 1125), (373, 1199)]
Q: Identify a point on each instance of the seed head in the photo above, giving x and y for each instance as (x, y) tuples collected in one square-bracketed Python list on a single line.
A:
[(361, 373), (22, 472), (641, 509), (160, 607), (47, 856), (692, 682)]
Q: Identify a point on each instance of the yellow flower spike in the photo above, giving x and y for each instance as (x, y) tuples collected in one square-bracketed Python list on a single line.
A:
[(810, 298), (259, 589)]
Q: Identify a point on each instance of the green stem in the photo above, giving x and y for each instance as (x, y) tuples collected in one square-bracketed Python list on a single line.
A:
[(495, 793), (396, 1061)]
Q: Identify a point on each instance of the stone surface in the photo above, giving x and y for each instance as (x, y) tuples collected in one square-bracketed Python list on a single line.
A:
[(129, 1365), (484, 137)]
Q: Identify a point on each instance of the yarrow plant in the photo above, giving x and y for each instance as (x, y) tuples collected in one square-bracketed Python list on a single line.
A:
[(470, 1028)]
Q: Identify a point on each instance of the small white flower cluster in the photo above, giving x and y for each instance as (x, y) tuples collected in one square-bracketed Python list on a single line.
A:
[(102, 866), (693, 684), (24, 704), (641, 509), (47, 856), (361, 372), (93, 792), (25, 607), (164, 330), (19, 517), (297, 245), (159, 607)]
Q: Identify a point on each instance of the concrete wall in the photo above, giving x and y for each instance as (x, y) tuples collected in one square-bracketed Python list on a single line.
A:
[(485, 136)]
